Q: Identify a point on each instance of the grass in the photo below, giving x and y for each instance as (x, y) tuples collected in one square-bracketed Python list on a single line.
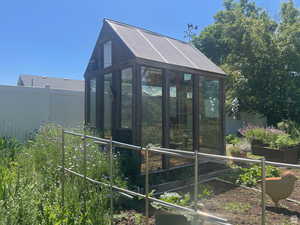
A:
[(237, 207)]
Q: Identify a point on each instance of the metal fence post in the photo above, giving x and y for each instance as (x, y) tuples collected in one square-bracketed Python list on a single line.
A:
[(84, 169), (147, 186), (111, 181), (62, 168), (196, 187), (263, 191)]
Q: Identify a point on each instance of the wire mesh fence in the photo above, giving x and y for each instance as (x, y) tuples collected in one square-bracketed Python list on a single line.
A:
[(199, 216)]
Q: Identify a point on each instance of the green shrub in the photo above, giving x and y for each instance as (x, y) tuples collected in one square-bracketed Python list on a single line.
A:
[(272, 137), (9, 147), (232, 139), (250, 176), (30, 188), (290, 127)]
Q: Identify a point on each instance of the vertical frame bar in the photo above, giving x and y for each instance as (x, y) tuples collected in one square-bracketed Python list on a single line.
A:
[(137, 108), (165, 117), (147, 186), (222, 117), (63, 168), (196, 110), (263, 191), (111, 181)]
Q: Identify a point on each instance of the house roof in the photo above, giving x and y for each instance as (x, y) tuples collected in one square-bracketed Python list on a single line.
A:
[(153, 46), (50, 82)]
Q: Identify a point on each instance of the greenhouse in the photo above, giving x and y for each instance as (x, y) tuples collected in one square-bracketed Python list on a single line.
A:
[(146, 88)]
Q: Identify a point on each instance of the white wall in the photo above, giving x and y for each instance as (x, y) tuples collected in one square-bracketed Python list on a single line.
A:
[(23, 109)]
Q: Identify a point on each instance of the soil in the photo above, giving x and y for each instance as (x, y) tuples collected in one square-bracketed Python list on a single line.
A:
[(242, 206)]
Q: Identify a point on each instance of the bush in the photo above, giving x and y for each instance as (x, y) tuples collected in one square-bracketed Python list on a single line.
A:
[(9, 147), (250, 176), (30, 189), (272, 137), (232, 139), (235, 151), (290, 127)]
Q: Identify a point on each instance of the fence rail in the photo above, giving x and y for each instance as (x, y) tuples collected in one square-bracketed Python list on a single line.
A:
[(173, 152)]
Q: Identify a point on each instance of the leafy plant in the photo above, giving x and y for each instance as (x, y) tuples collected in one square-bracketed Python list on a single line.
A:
[(237, 207), (236, 151), (30, 182), (272, 137), (250, 176), (232, 139), (205, 191), (290, 127)]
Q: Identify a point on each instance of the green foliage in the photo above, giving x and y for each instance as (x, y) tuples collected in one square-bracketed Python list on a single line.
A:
[(232, 139), (9, 147), (235, 151), (237, 207), (185, 199), (260, 55), (284, 141), (30, 185), (274, 138), (205, 191), (250, 176), (290, 127)]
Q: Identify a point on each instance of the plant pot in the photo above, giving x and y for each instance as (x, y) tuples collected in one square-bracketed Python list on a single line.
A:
[(168, 218), (287, 155)]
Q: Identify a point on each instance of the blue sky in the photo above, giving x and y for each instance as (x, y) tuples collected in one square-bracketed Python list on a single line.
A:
[(56, 38)]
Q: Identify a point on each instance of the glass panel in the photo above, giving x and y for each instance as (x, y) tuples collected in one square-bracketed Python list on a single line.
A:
[(126, 98), (107, 104), (180, 114), (209, 114), (152, 111), (92, 95), (152, 106), (107, 55), (181, 111)]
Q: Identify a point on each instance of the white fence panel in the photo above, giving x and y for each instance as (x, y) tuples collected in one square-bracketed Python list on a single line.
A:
[(23, 110)]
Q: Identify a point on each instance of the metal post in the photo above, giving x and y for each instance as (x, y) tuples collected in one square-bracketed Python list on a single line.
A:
[(62, 168), (84, 170), (196, 187), (263, 191), (111, 181), (147, 186)]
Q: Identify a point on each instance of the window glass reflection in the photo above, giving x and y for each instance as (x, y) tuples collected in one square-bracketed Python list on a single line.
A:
[(126, 98), (92, 102), (107, 104), (209, 113)]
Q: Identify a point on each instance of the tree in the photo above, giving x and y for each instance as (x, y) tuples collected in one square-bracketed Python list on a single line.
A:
[(261, 57)]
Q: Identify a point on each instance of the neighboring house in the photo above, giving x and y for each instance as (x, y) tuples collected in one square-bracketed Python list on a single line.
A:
[(38, 100), (51, 82)]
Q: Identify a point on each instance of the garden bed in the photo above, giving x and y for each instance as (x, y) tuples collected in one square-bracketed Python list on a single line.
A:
[(289, 155), (242, 206)]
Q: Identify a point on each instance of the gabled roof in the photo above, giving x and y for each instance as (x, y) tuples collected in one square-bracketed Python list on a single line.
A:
[(153, 46), (51, 82)]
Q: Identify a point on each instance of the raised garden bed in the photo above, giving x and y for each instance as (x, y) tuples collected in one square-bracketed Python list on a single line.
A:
[(286, 155)]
